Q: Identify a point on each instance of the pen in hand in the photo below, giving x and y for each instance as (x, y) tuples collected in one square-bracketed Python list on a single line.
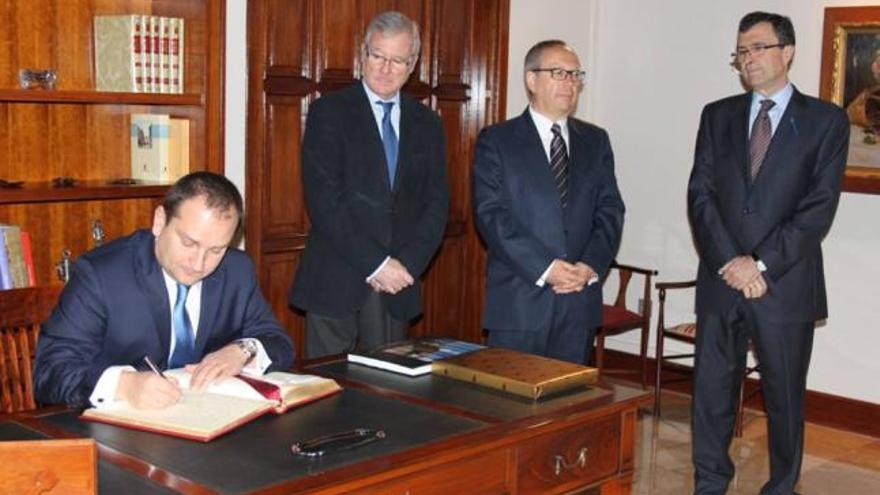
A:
[(155, 369)]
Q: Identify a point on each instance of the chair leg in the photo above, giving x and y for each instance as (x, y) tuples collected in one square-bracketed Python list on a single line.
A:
[(644, 355), (738, 425), (600, 352), (659, 372)]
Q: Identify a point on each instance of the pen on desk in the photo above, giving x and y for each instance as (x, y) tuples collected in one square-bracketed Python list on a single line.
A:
[(155, 369)]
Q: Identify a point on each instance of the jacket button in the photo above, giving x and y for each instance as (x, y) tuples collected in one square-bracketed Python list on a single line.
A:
[(747, 211)]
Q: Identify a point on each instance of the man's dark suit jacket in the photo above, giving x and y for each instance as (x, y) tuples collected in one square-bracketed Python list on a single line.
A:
[(521, 219), (781, 217), (357, 217), (115, 311)]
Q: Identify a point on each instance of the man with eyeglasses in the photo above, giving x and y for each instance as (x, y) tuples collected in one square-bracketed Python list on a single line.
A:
[(763, 191), (547, 205), (374, 177)]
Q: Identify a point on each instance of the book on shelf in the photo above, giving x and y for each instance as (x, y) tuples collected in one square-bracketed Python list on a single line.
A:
[(519, 373), (149, 146), (206, 414), (133, 53), (27, 250), (178, 149), (119, 53), (16, 263), (5, 274), (176, 54), (413, 357)]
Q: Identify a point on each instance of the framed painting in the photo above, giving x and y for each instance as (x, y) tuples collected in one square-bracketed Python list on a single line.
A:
[(850, 78)]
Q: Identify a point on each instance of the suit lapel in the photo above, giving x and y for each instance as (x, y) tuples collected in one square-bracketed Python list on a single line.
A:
[(536, 165), (739, 136), (785, 136), (578, 159), (371, 139), (153, 284), (405, 143), (212, 290)]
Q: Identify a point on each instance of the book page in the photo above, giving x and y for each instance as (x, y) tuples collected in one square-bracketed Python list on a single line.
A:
[(230, 386), (200, 414)]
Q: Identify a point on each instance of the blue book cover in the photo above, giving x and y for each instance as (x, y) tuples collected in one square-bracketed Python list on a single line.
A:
[(413, 357), (5, 274)]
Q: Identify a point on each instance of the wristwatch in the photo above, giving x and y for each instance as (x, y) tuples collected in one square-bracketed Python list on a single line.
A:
[(248, 347)]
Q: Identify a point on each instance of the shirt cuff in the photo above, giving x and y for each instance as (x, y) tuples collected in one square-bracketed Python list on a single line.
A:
[(104, 393), (593, 280), (377, 270), (543, 280), (261, 361)]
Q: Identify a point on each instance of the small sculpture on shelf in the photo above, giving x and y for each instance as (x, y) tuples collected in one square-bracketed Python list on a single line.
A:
[(98, 232), (62, 268), (36, 78)]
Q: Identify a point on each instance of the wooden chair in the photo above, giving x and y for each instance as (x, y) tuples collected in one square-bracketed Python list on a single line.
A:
[(617, 318), (49, 466), (22, 311), (685, 332)]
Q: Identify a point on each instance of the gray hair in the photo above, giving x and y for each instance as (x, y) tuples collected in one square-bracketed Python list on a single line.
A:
[(536, 53), (391, 23)]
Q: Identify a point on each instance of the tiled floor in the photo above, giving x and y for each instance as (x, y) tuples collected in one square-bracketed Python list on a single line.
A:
[(836, 462)]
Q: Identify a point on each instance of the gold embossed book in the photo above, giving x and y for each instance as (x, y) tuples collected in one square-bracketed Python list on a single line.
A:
[(206, 414), (522, 374)]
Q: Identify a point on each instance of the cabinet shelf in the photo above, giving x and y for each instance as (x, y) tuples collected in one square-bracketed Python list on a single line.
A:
[(107, 97), (41, 192)]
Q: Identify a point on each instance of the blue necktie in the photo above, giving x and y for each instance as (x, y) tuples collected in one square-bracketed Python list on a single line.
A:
[(184, 351), (389, 140)]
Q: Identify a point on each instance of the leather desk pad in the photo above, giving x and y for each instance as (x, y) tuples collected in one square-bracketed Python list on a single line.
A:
[(257, 455)]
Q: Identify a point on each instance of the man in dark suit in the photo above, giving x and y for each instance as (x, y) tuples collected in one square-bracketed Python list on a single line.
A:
[(176, 296), (374, 176), (763, 191), (548, 208)]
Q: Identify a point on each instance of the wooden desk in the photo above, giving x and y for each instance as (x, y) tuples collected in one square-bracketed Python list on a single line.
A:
[(443, 437)]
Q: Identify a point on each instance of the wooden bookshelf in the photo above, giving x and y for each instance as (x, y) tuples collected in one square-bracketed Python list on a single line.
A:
[(75, 131)]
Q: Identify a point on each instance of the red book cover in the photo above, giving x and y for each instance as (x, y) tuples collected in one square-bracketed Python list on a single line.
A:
[(28, 258)]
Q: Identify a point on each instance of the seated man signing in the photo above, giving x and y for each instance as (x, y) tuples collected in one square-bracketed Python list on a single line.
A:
[(176, 296)]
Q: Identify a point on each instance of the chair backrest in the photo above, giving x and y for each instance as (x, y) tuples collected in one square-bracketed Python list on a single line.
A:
[(662, 289), (22, 311), (49, 466), (625, 274)]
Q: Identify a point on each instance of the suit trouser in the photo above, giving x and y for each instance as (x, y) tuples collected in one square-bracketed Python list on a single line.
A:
[(783, 350), (367, 328), (564, 338)]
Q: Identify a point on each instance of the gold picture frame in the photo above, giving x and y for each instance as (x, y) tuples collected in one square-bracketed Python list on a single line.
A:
[(850, 78)]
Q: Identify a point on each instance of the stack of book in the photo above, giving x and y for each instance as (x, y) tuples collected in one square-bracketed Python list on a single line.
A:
[(413, 357), (139, 53), (16, 258), (159, 147)]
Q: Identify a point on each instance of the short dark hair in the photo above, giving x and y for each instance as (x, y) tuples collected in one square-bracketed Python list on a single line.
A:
[(220, 194), (781, 25)]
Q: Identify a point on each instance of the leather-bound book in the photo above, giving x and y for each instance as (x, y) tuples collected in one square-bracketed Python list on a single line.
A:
[(516, 372)]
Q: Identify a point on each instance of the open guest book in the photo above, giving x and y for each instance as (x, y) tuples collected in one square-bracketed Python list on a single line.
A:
[(206, 414)]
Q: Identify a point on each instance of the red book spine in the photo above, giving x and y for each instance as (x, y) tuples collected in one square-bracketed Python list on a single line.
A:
[(28, 258)]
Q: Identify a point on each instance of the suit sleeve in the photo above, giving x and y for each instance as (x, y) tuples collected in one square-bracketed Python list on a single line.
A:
[(68, 362), (325, 192), (714, 242), (260, 323), (607, 218), (800, 235), (418, 251), (505, 237)]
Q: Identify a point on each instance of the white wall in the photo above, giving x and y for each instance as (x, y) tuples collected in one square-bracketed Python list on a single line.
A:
[(658, 62), (651, 66)]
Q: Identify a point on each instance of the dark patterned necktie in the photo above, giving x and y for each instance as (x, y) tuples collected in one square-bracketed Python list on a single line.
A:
[(389, 140), (760, 138), (184, 350), (559, 164)]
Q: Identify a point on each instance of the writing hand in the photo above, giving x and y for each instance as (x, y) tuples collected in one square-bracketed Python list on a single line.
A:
[(147, 390)]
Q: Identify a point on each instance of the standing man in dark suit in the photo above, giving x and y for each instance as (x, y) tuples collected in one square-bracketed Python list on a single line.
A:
[(548, 208), (374, 175), (763, 191), (177, 295)]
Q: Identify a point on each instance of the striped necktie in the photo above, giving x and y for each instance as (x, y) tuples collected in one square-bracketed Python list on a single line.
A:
[(559, 164), (760, 138)]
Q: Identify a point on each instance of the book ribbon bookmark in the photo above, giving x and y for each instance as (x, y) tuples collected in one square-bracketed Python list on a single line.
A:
[(267, 390)]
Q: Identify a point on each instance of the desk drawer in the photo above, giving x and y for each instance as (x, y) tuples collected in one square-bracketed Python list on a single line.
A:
[(573, 457), (481, 475)]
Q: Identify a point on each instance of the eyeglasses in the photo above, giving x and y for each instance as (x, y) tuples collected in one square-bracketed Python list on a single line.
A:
[(754, 50), (397, 63), (562, 74)]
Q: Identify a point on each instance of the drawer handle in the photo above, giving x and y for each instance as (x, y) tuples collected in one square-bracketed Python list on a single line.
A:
[(562, 464)]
